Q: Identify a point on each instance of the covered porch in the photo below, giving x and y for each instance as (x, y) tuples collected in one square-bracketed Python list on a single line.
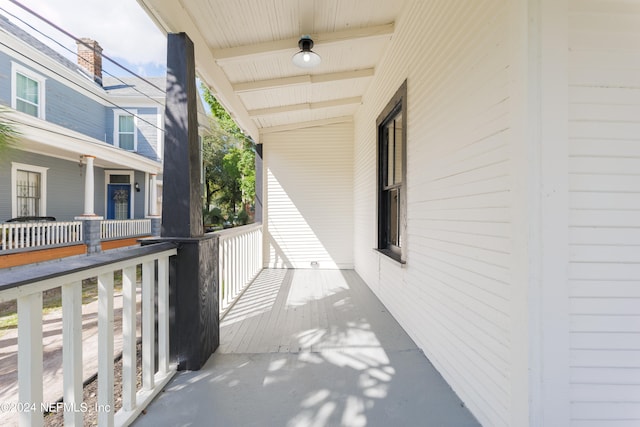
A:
[(310, 347)]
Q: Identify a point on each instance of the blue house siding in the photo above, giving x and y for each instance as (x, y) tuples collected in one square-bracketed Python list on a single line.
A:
[(99, 195), (5, 79), (63, 105), (71, 109), (5, 184), (65, 184), (139, 198), (65, 188), (148, 132)]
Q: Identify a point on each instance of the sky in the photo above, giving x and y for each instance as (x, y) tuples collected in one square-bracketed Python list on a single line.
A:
[(122, 28)]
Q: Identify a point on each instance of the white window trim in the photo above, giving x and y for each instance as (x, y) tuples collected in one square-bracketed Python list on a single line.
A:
[(107, 181), (19, 69), (14, 182), (116, 127)]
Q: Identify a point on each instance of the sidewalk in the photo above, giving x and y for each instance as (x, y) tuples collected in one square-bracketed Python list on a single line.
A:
[(52, 353)]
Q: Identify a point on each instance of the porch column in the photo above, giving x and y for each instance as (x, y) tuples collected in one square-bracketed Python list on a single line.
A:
[(156, 222), (153, 196), (89, 209), (259, 184), (91, 222), (193, 272)]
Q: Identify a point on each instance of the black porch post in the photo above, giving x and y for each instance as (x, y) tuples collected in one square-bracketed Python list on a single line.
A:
[(193, 276)]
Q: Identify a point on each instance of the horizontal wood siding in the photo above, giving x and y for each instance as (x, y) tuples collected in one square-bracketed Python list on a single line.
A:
[(453, 294), (309, 204), (604, 180)]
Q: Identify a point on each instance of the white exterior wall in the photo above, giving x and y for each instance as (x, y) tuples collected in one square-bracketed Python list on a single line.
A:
[(453, 295), (308, 197), (604, 219)]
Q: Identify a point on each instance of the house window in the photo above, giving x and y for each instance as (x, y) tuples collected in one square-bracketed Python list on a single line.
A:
[(392, 203), (29, 185), (125, 130), (27, 91)]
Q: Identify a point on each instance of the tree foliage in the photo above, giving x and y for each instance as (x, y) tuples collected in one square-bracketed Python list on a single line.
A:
[(228, 161), (8, 133)]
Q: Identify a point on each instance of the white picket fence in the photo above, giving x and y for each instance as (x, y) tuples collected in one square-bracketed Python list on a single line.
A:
[(240, 261), (18, 235), (117, 229), (27, 286)]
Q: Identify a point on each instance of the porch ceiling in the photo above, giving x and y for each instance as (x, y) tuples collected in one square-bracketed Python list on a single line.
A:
[(243, 53)]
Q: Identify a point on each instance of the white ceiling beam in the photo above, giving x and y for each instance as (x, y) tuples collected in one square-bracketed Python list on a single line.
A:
[(290, 45), (301, 80), (308, 124), (171, 17), (306, 106)]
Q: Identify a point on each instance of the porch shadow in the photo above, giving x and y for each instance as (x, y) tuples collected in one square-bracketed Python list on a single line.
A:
[(335, 357)]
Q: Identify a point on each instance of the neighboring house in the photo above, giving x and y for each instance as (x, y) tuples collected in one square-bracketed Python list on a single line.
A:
[(89, 145), (478, 169)]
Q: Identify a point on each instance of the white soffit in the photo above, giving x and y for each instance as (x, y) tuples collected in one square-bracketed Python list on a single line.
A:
[(244, 49)]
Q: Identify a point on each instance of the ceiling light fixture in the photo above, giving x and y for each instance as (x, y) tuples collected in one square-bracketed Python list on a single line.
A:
[(306, 58)]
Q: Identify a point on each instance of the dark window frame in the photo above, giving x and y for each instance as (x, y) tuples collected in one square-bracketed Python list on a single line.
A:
[(29, 193), (395, 108)]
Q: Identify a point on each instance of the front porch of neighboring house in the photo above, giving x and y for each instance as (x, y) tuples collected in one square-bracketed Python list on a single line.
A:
[(121, 186)]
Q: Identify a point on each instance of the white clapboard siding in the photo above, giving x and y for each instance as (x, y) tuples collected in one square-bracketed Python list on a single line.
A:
[(453, 295), (604, 218), (309, 197)]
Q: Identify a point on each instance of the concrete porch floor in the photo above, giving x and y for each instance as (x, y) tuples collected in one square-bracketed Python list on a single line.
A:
[(310, 348)]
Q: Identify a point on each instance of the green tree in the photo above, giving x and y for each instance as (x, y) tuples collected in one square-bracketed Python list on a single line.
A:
[(8, 132), (228, 160)]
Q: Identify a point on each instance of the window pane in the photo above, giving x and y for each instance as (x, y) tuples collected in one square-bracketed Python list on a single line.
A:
[(388, 134), (393, 212), (27, 108), (125, 124), (28, 191), (398, 150), (26, 89), (126, 141), (119, 179)]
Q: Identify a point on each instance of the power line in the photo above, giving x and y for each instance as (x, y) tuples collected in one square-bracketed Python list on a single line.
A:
[(77, 40), (108, 101), (75, 54)]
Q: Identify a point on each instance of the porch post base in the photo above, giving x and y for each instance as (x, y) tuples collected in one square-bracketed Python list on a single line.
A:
[(91, 232), (193, 294), (156, 225)]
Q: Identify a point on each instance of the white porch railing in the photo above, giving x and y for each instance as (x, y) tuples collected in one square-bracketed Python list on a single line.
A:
[(240, 261), (116, 229), (27, 285), (20, 235)]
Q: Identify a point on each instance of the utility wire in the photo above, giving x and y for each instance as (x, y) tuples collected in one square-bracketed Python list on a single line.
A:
[(108, 101), (75, 54), (68, 34)]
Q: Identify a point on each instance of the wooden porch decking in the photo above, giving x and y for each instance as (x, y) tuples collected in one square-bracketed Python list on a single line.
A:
[(310, 348)]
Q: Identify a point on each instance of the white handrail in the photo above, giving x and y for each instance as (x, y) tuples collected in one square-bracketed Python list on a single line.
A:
[(18, 235), (239, 262), (121, 228), (28, 293)]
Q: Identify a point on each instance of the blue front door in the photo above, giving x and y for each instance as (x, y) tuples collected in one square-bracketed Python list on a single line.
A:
[(118, 201)]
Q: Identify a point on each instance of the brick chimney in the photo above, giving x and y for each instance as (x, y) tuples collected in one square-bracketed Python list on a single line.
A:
[(90, 58)]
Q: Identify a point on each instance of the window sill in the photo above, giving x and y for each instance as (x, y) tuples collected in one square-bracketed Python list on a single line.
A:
[(393, 256)]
